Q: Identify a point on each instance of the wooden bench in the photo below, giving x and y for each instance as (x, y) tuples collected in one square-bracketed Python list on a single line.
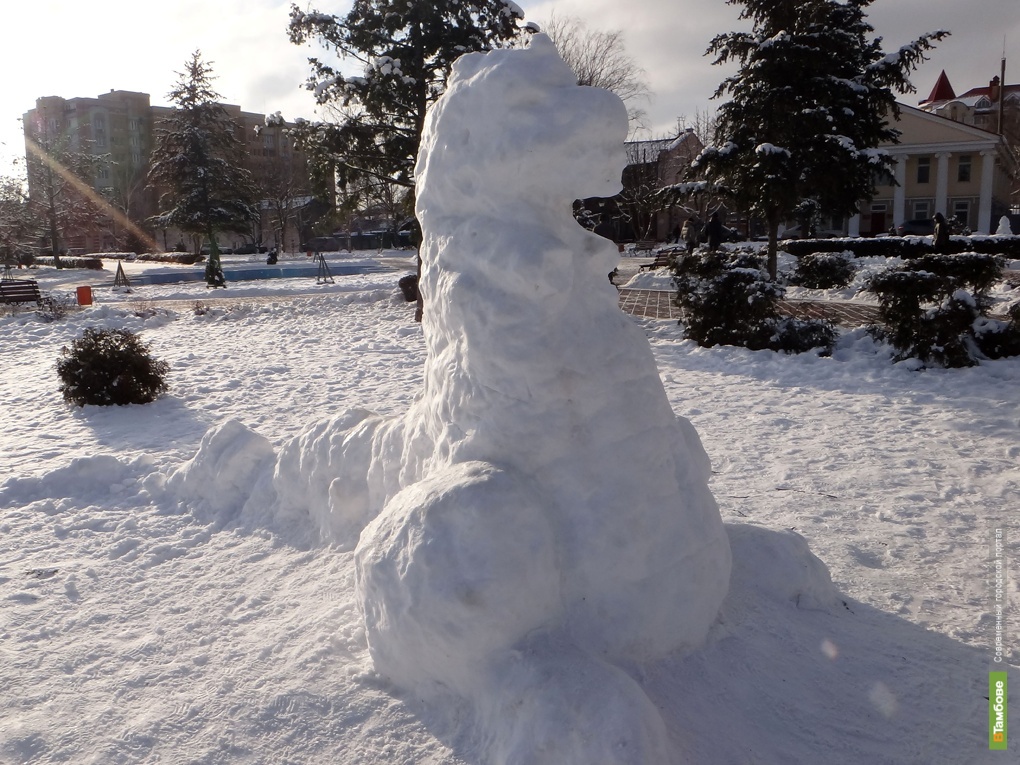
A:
[(645, 245), (663, 259), (20, 291)]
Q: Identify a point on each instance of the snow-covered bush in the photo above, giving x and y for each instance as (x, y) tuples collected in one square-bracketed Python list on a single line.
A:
[(409, 287), (824, 271), (729, 300), (92, 264), (997, 339), (104, 367), (802, 335), (970, 270), (930, 308), (56, 305)]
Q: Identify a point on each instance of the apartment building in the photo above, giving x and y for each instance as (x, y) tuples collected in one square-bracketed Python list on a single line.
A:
[(113, 136)]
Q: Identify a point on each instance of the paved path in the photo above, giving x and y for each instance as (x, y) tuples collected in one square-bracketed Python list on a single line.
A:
[(656, 304)]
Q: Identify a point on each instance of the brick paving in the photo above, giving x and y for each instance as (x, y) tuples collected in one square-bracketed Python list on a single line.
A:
[(839, 312), (656, 304), (651, 304)]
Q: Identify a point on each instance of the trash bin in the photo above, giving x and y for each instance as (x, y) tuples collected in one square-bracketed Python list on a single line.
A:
[(84, 295)]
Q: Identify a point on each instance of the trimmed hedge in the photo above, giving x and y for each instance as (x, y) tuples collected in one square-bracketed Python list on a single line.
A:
[(905, 247), (92, 264)]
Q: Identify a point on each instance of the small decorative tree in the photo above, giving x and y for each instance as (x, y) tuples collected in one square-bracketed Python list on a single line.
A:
[(106, 367), (197, 165), (933, 309), (729, 300)]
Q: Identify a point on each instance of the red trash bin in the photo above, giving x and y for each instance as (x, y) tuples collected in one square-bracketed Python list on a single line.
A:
[(84, 295)]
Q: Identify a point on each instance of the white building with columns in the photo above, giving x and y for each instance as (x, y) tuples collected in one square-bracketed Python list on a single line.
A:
[(943, 166)]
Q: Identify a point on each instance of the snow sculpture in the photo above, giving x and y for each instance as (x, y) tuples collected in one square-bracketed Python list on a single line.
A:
[(1005, 229), (541, 516)]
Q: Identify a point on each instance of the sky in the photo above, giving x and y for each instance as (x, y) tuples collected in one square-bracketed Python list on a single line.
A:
[(52, 47)]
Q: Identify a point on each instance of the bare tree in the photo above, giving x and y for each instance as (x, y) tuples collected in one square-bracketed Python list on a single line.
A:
[(128, 194), (19, 227), (60, 179), (600, 60)]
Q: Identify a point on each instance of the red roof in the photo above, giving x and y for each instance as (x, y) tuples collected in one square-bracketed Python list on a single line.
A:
[(942, 91), (987, 91)]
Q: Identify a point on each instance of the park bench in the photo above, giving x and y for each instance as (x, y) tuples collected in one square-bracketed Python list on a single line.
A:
[(645, 245), (20, 291), (663, 259)]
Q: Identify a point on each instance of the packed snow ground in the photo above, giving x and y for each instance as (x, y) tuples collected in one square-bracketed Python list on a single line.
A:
[(137, 627)]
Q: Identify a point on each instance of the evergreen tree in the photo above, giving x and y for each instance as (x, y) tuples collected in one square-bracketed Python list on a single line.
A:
[(406, 50), (811, 102), (197, 166)]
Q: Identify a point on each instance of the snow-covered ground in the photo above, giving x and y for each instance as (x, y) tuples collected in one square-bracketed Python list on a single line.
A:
[(518, 559), (138, 627)]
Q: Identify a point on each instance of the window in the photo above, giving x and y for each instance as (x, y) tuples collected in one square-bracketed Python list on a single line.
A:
[(103, 174), (961, 211), (924, 169), (963, 169), (922, 209)]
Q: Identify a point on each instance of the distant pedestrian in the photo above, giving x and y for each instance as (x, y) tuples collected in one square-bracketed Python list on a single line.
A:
[(940, 239), (715, 232), (676, 234), (689, 233)]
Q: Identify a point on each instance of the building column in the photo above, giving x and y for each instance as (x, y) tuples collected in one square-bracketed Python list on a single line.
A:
[(853, 226), (942, 182), (984, 222), (900, 189)]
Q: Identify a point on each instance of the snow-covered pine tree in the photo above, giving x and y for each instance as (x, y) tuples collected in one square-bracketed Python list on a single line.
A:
[(809, 106), (406, 50), (197, 165)]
